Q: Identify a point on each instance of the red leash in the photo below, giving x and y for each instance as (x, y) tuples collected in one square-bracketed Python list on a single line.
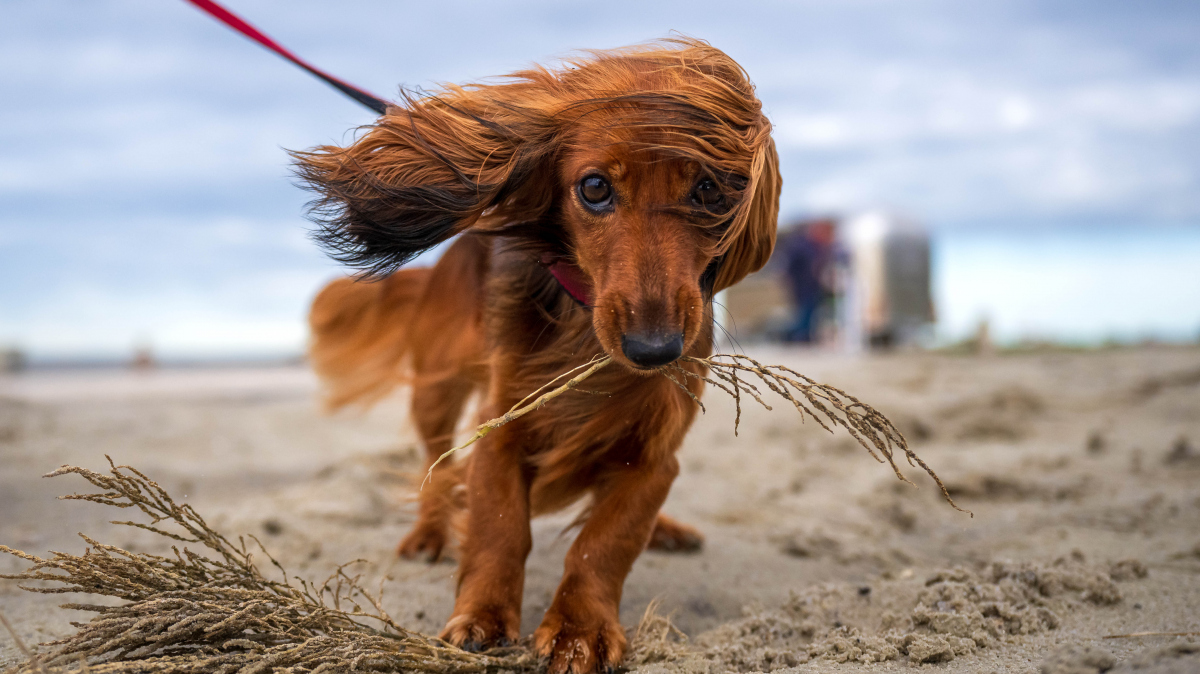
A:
[(570, 277), (235, 22)]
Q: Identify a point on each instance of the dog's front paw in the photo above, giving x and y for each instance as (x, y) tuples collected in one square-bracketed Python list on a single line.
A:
[(671, 535), (579, 644), (480, 629), (426, 540)]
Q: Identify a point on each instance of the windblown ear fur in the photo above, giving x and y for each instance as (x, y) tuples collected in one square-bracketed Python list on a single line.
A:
[(752, 248), (436, 165), (424, 172)]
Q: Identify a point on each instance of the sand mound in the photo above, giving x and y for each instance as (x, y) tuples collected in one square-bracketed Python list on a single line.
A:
[(1183, 658), (1174, 659), (1005, 414), (956, 612), (1078, 660)]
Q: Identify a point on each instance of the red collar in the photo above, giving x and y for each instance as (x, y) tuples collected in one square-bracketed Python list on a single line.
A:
[(570, 277)]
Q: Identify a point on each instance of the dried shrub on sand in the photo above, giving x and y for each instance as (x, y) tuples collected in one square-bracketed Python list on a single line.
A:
[(219, 613), (655, 639)]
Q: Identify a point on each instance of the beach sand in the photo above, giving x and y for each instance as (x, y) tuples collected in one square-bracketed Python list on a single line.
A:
[(1082, 470)]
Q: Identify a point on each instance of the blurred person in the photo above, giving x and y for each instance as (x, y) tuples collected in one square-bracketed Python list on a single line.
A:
[(809, 256)]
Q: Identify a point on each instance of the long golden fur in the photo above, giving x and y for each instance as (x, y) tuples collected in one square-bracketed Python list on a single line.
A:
[(601, 206)]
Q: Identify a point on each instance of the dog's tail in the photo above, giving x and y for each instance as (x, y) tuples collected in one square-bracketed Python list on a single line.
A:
[(360, 335)]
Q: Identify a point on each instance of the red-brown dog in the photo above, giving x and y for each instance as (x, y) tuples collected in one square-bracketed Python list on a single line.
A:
[(603, 205)]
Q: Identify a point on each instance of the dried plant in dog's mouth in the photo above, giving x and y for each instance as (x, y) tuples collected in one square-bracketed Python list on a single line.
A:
[(827, 405), (219, 613), (734, 374)]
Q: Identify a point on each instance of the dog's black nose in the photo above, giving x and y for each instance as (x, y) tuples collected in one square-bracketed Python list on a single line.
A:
[(652, 350)]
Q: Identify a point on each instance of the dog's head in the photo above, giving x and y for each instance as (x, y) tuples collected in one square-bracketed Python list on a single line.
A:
[(653, 166)]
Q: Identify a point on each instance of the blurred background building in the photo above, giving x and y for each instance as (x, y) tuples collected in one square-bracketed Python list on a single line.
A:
[(1031, 165)]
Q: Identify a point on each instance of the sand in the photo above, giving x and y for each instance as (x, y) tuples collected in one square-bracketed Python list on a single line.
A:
[(1082, 470)]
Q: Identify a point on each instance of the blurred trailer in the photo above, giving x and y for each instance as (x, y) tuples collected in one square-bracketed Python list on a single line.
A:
[(888, 299)]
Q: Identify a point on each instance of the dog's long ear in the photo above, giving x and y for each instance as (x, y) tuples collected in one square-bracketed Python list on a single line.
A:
[(424, 172), (751, 249)]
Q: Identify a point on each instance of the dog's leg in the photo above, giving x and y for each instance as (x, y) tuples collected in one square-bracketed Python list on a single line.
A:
[(436, 407), (582, 629), (491, 569), (671, 535)]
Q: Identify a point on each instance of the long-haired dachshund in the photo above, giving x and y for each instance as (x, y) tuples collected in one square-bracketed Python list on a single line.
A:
[(601, 206)]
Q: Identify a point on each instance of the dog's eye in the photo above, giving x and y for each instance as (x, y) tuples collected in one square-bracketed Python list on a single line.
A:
[(708, 194), (595, 191)]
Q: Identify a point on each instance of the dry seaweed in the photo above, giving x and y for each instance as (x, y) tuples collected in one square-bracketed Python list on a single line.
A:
[(521, 409), (1135, 635), (655, 639), (827, 405), (219, 613)]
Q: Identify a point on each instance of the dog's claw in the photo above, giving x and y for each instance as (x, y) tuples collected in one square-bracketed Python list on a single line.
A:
[(480, 630), (568, 647), (427, 541), (671, 535)]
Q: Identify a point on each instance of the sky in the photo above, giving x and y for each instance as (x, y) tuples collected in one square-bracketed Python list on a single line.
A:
[(146, 198)]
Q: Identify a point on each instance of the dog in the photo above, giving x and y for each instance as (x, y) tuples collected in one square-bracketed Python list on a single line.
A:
[(599, 207)]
